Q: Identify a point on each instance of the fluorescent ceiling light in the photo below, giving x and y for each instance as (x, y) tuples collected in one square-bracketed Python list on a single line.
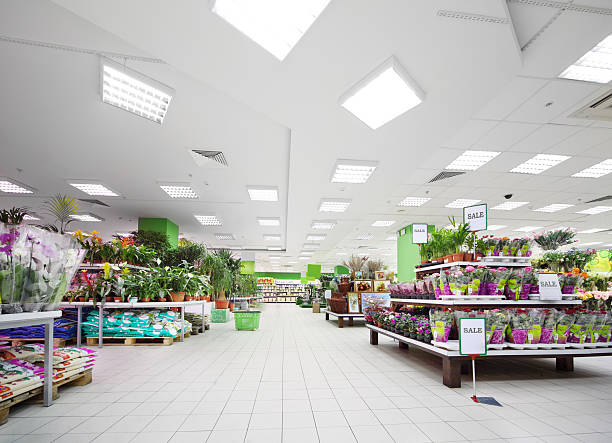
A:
[(134, 92), (364, 237), (94, 189), (225, 237), (590, 243), (384, 94), (386, 254), (594, 66), (87, 217), (275, 248), (292, 263), (539, 163), (124, 234), (30, 217), (495, 227), (315, 237), (336, 205), (341, 253), (595, 210), (208, 220), (472, 160), (275, 25), (414, 201), (554, 207), (274, 257), (528, 228), (592, 230), (272, 237), (383, 223), (391, 237), (461, 203), (353, 171), (596, 171), (311, 246), (179, 191), (303, 258), (263, 221), (508, 206), (309, 253), (263, 193), (323, 225), (12, 187)]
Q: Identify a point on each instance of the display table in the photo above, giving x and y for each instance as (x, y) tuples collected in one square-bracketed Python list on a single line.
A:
[(452, 361), (128, 305), (37, 318), (341, 317), (488, 303)]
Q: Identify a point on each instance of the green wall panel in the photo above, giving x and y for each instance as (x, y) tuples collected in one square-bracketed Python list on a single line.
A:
[(247, 266), (280, 275), (313, 272), (408, 253), (163, 225), (341, 270)]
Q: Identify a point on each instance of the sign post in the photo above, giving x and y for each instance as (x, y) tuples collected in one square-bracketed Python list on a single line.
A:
[(419, 233), (473, 342), (549, 286), (476, 219)]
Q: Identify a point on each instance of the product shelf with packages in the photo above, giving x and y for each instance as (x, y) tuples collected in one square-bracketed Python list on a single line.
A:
[(279, 291)]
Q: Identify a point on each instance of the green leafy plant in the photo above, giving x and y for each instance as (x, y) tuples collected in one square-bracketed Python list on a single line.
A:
[(192, 253), (554, 239), (158, 241), (13, 216), (63, 208)]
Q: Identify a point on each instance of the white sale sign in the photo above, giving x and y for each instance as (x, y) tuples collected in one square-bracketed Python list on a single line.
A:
[(476, 217), (419, 233), (549, 286), (472, 336)]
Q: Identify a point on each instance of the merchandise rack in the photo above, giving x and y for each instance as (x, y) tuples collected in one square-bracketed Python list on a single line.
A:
[(128, 305), (100, 266), (280, 292), (341, 317), (37, 318), (500, 262), (488, 303)]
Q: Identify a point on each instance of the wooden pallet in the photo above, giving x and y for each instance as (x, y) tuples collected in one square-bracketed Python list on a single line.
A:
[(36, 395), (131, 341), (196, 331), (57, 342), (178, 336)]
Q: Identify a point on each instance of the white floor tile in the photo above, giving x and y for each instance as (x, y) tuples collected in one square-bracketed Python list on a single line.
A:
[(368, 434), (266, 420), (405, 432), (300, 435), (439, 432), (190, 437), (229, 422), (336, 435), (153, 437), (199, 422), (264, 436)]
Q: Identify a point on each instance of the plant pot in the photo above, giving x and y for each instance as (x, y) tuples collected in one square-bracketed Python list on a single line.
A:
[(221, 304), (80, 298), (177, 296), (412, 335), (447, 258), (145, 300), (117, 299), (188, 298), (458, 256), (109, 299), (379, 324), (468, 256), (207, 298), (231, 307), (161, 299)]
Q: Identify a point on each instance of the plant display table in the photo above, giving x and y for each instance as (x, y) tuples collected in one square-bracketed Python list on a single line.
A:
[(488, 303), (341, 317), (37, 318), (128, 305)]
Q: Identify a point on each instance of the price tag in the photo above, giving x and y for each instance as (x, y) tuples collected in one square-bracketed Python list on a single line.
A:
[(472, 336), (549, 286), (419, 233), (476, 217)]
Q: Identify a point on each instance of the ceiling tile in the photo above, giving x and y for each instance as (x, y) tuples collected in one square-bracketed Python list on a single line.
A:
[(505, 135), (511, 97), (581, 141), (469, 134), (545, 137)]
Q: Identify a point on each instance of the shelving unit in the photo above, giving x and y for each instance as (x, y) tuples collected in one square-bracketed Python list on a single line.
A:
[(488, 304), (280, 291), (341, 317), (100, 266), (501, 262)]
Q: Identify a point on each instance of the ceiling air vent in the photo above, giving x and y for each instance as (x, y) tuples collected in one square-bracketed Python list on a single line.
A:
[(600, 199), (93, 201), (213, 159), (446, 174), (600, 109)]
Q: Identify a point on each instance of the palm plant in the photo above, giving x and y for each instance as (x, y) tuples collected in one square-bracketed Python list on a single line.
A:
[(13, 216), (63, 208)]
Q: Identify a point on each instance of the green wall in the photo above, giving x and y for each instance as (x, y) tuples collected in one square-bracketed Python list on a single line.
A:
[(163, 225), (341, 270), (247, 266), (408, 253), (280, 275)]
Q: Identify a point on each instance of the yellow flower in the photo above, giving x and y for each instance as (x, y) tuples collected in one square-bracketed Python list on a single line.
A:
[(78, 234), (94, 233), (107, 268)]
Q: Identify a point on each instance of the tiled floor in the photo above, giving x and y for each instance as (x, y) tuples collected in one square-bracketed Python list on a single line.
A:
[(301, 379)]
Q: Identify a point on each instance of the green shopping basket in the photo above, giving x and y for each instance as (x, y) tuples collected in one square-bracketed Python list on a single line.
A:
[(247, 320)]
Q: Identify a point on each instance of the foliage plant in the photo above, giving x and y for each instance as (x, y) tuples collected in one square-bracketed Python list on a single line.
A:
[(158, 241), (13, 216), (62, 208), (555, 238)]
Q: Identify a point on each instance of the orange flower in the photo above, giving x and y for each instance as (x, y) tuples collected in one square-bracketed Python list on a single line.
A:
[(576, 271), (584, 275)]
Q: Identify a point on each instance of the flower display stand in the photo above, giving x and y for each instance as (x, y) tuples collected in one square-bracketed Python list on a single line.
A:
[(341, 317)]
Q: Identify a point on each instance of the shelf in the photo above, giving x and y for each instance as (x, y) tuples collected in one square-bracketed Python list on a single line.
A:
[(27, 318), (491, 303), (472, 263), (99, 266), (154, 304)]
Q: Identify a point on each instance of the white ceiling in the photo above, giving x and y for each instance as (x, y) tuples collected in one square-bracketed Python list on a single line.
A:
[(280, 124)]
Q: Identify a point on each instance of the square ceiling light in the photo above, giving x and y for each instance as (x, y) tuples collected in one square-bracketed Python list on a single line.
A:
[(275, 25), (275, 248), (364, 237), (12, 187), (592, 230), (31, 217), (225, 237), (341, 253), (383, 95), (353, 171), (594, 66), (414, 201), (315, 237), (334, 205), (208, 220), (178, 190), (308, 253), (87, 217), (323, 225), (509, 206), (495, 227), (595, 210), (263, 221), (303, 258), (539, 163), (590, 243), (461, 203), (527, 229), (272, 237), (383, 223), (472, 160), (311, 246), (554, 207), (124, 234), (596, 171), (263, 193), (133, 91), (95, 189)]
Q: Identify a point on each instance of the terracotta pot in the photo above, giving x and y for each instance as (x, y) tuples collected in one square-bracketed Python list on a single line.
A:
[(448, 258), (458, 256), (177, 296), (188, 298), (423, 262), (145, 300), (207, 298), (109, 299), (231, 307), (161, 299), (117, 299), (479, 255), (80, 298), (468, 256), (221, 304)]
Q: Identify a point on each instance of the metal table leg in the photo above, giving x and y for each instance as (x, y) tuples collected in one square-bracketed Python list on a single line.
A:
[(100, 315), (79, 312), (48, 387), (203, 321), (182, 322)]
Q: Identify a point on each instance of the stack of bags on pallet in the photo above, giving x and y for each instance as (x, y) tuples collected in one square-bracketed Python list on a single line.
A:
[(195, 320), (62, 328), (18, 377), (135, 324)]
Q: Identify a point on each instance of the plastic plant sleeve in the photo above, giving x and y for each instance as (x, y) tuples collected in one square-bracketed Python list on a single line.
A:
[(497, 321), (441, 322), (549, 320), (564, 321), (520, 324), (580, 329), (537, 321)]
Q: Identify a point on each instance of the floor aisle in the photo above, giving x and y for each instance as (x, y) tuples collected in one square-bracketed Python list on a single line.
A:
[(301, 379)]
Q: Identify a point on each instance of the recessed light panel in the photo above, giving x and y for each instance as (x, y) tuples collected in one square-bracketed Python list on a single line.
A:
[(179, 191), (495, 227), (472, 160), (134, 92), (274, 25), (308, 253), (596, 171), (509, 206), (414, 201), (30, 217), (263, 193), (528, 228), (272, 237), (554, 207), (383, 95), (595, 210), (11, 187), (275, 248), (225, 237), (268, 221), (87, 217), (337, 205), (364, 237), (383, 223), (539, 163), (590, 243), (311, 246), (124, 234), (592, 230), (391, 237), (315, 237), (208, 220), (323, 225), (594, 66), (341, 253), (94, 189), (353, 171), (303, 258), (461, 203)]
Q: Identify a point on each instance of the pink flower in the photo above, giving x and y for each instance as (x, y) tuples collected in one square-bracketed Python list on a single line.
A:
[(493, 271), (482, 266), (528, 269), (501, 268), (470, 268)]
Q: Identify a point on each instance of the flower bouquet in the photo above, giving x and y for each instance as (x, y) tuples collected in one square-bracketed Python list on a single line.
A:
[(520, 324), (565, 319), (569, 282), (500, 278), (528, 280), (497, 321), (523, 246), (514, 290), (458, 283), (480, 277), (490, 244), (605, 334), (549, 320), (580, 331), (441, 322), (537, 321)]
